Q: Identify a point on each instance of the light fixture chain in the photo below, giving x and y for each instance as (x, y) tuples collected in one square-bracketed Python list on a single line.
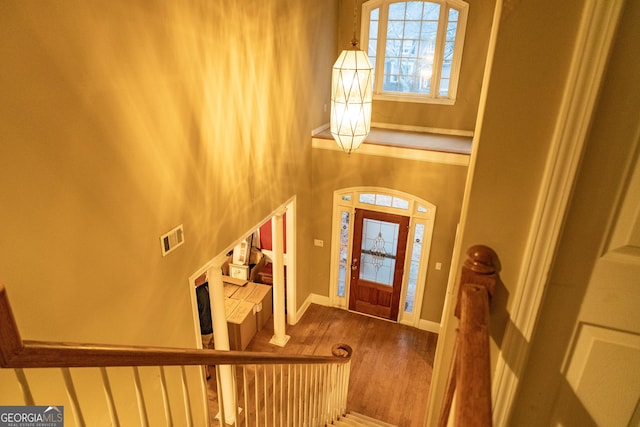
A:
[(354, 41)]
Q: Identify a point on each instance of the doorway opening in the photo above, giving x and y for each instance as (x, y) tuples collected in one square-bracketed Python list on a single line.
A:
[(221, 261), (381, 240)]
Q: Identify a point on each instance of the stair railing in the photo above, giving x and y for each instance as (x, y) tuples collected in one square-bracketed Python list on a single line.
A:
[(470, 375), (294, 394), (286, 390)]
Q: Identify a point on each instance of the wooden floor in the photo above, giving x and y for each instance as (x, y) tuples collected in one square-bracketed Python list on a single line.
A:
[(391, 365)]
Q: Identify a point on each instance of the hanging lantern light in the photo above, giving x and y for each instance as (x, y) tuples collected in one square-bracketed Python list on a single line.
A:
[(351, 97)]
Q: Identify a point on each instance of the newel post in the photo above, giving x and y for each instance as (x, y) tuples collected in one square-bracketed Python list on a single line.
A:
[(473, 382), (481, 269)]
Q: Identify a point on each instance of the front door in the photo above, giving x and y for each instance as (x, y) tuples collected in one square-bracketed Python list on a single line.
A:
[(379, 247)]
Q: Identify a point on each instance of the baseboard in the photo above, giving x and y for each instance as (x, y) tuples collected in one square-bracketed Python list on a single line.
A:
[(428, 325), (312, 299), (320, 129), (420, 155), (303, 308), (425, 325), (423, 129), (319, 299)]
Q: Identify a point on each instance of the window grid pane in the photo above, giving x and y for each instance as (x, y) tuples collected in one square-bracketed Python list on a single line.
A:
[(431, 12), (393, 79), (400, 203), (344, 250), (383, 200), (410, 47), (453, 15), (373, 266), (372, 48), (373, 45), (412, 283), (396, 11), (447, 55), (367, 198)]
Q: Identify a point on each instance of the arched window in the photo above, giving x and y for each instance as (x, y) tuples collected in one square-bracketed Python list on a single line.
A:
[(415, 48)]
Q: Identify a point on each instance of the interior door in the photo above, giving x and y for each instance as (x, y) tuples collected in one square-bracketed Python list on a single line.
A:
[(603, 368), (378, 253)]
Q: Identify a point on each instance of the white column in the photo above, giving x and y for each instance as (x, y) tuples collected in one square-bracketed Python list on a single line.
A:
[(221, 340), (277, 237)]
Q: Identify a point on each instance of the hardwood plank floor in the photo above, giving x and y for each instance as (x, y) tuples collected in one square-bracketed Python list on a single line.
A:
[(391, 365)]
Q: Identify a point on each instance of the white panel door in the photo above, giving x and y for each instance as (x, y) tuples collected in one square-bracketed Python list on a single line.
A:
[(603, 365)]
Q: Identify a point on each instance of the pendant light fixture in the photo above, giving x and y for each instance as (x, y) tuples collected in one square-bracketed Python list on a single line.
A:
[(351, 95)]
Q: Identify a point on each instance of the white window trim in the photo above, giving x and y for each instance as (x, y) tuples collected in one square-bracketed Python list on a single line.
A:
[(427, 219), (378, 93)]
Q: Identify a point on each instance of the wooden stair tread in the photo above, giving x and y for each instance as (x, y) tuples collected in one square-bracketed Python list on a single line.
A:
[(354, 419), (370, 420)]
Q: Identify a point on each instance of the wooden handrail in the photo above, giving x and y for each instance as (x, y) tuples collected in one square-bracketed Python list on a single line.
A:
[(470, 377), (18, 353)]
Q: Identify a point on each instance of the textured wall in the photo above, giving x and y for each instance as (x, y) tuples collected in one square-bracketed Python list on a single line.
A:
[(120, 121)]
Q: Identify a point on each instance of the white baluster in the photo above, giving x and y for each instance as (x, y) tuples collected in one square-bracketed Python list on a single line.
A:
[(245, 383), (221, 342), (277, 231)]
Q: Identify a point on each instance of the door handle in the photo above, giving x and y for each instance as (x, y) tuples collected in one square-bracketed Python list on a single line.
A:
[(354, 264)]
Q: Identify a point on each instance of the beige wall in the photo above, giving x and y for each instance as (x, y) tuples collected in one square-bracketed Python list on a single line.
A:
[(440, 184), (462, 115), (523, 99), (120, 121)]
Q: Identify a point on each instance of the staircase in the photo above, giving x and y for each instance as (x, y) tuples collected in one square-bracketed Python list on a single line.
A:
[(136, 385), (358, 420), (148, 386)]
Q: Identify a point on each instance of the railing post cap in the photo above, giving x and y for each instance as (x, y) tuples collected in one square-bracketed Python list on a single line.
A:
[(482, 259), (343, 351)]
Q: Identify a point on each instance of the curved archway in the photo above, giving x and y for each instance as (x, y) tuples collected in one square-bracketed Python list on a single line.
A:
[(421, 214)]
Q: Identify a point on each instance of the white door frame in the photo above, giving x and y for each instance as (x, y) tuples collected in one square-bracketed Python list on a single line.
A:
[(345, 199)]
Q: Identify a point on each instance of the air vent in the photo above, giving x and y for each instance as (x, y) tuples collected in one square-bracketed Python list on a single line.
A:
[(172, 240)]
